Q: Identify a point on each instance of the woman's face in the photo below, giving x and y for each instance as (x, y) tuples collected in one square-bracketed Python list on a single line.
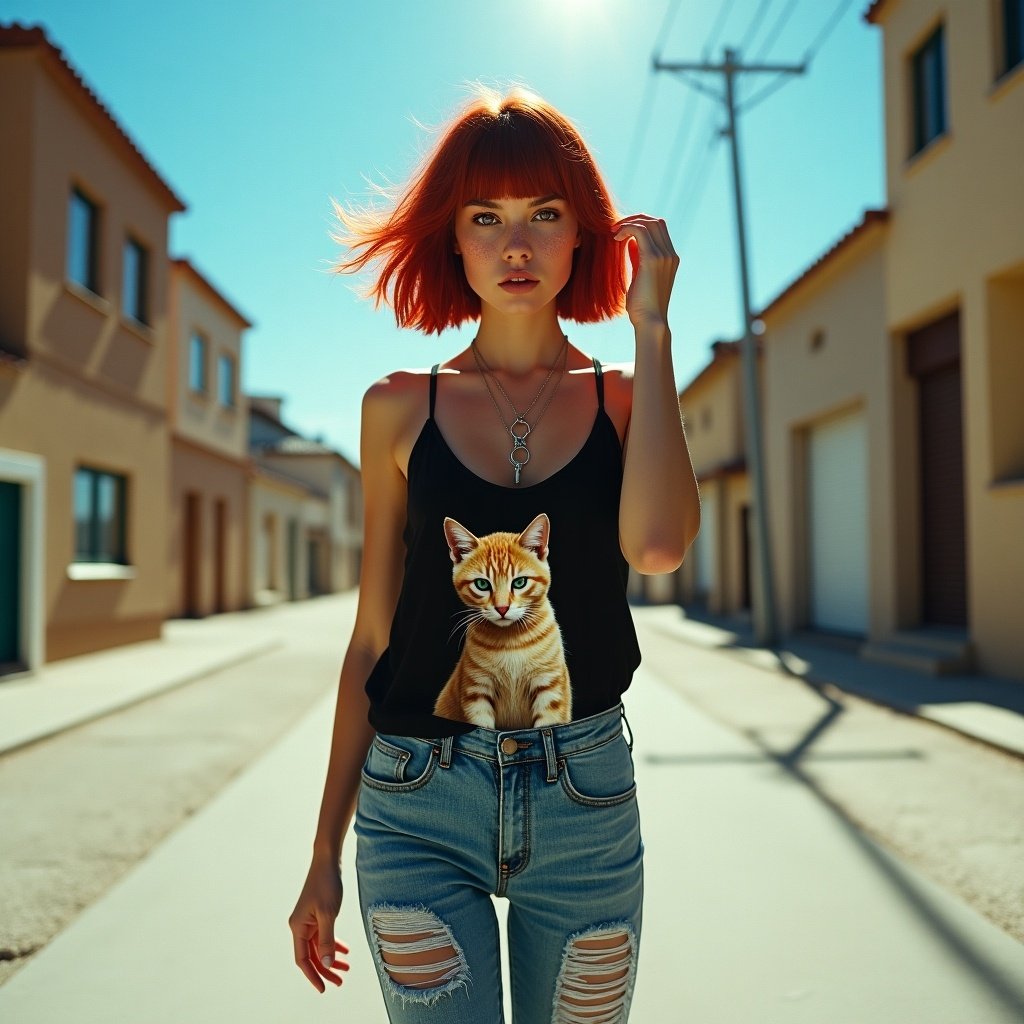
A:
[(517, 253)]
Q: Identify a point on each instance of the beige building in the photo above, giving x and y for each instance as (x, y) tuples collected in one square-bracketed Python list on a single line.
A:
[(209, 509), (892, 374), (306, 509), (716, 574), (84, 445)]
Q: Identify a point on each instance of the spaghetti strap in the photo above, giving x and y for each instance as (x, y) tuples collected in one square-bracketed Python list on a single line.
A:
[(600, 383), (433, 387)]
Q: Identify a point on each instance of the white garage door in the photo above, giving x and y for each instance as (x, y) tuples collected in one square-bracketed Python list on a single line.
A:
[(707, 539), (838, 527)]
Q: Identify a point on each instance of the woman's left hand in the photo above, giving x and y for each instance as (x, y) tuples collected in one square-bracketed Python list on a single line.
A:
[(654, 262)]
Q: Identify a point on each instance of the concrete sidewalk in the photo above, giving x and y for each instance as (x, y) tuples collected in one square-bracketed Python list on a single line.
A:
[(763, 903), (77, 690), (981, 707)]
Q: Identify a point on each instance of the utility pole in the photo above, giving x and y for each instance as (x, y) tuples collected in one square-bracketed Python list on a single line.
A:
[(765, 619)]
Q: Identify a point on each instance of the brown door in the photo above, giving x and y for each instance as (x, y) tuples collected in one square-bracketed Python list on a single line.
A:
[(192, 549), (934, 359), (220, 544)]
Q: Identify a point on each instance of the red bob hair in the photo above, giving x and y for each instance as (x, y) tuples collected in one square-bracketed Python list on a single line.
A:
[(497, 147)]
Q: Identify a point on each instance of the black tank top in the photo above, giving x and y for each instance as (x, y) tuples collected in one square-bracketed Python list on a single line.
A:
[(512, 611)]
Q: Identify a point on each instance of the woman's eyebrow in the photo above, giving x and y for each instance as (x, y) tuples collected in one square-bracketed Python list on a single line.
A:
[(497, 206)]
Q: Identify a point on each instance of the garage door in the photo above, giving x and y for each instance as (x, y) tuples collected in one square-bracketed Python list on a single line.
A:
[(838, 525), (707, 539)]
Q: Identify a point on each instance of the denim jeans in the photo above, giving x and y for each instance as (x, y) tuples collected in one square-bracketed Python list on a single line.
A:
[(546, 817)]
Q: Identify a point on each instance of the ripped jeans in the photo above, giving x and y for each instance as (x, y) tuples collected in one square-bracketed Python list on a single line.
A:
[(546, 817)]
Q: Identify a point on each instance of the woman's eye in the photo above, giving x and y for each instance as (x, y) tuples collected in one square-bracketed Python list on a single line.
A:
[(547, 214), (478, 218)]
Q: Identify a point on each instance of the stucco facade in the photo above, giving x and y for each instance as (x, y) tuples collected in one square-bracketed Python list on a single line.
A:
[(208, 541), (83, 422), (956, 245)]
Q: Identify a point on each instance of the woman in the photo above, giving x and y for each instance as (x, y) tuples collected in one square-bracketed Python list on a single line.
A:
[(478, 736)]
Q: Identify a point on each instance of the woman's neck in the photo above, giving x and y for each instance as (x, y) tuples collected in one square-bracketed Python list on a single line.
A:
[(518, 345)]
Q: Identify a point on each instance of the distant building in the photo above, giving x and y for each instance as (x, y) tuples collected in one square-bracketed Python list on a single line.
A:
[(210, 465), (306, 510), (84, 445), (892, 375), (717, 572)]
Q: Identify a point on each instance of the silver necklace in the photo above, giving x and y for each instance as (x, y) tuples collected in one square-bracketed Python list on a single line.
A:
[(519, 428)]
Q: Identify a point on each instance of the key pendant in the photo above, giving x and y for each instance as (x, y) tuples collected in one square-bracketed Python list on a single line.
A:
[(519, 445)]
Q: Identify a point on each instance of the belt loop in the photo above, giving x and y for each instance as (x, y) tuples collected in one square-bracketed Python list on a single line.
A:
[(446, 751), (549, 755), (625, 722)]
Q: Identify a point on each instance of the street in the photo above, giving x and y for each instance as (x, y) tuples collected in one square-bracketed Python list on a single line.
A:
[(810, 855)]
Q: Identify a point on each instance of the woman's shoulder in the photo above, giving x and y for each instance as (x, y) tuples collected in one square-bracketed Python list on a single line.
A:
[(395, 391), (395, 408)]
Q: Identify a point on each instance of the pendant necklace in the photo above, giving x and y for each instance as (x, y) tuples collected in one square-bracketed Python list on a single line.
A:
[(519, 428)]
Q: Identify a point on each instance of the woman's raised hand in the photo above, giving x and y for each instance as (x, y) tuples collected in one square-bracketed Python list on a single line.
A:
[(312, 925), (654, 263)]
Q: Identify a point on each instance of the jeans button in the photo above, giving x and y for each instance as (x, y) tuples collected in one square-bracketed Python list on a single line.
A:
[(509, 745)]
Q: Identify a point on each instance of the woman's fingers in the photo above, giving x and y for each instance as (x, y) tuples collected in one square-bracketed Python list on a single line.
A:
[(301, 940)]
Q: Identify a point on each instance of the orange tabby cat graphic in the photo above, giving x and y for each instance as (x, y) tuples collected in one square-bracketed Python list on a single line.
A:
[(511, 673)]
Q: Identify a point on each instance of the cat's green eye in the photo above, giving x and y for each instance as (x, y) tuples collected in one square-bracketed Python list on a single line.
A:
[(519, 582), (482, 584)]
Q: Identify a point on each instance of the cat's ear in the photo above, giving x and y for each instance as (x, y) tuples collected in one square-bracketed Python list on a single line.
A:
[(535, 537), (460, 541)]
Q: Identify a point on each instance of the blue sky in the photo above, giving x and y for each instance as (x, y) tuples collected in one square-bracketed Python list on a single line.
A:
[(257, 113)]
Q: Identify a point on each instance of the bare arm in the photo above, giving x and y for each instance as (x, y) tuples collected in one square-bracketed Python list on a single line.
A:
[(384, 494), (659, 511)]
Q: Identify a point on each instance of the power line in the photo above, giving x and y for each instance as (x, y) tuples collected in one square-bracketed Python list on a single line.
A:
[(647, 100), (780, 23), (701, 177), (755, 24), (777, 83)]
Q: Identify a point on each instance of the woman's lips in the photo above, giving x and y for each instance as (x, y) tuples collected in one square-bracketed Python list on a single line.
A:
[(518, 286)]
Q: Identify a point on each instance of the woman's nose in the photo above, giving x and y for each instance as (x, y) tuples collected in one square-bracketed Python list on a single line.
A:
[(517, 245)]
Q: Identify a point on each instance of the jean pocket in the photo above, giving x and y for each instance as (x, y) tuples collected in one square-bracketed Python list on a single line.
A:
[(398, 763), (601, 776)]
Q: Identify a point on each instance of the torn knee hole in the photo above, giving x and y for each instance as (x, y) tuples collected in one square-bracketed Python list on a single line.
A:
[(596, 978), (417, 949)]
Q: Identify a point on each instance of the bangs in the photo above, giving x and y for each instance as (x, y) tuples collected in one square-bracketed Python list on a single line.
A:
[(514, 157)]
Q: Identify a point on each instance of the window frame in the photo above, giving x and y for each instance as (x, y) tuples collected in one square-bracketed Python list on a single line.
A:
[(204, 388), (1007, 62), (93, 237), (227, 359), (141, 314), (93, 553), (920, 71)]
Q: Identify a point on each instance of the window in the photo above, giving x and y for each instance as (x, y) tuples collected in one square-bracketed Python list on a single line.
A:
[(1013, 34), (83, 245), (135, 298), (99, 516), (929, 71), (226, 381), (197, 362)]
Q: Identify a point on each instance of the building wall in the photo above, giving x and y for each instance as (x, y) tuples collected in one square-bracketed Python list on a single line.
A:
[(843, 308), (210, 478), (273, 507), (957, 242), (17, 73), (199, 416), (93, 389), (329, 474)]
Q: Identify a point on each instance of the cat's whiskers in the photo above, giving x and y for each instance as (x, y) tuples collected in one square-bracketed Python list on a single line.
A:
[(468, 617)]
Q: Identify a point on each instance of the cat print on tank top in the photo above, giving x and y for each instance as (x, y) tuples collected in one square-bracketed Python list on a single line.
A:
[(511, 673)]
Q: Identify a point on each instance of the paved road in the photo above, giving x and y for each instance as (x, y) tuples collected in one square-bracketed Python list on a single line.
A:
[(765, 902)]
